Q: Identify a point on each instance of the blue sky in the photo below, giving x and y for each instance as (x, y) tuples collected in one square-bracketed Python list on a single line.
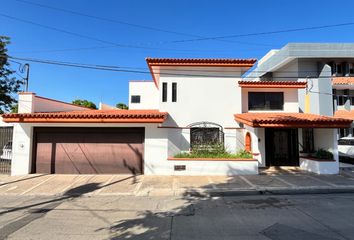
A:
[(201, 18)]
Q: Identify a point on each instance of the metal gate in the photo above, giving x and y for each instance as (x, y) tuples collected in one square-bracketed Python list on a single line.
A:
[(5, 149)]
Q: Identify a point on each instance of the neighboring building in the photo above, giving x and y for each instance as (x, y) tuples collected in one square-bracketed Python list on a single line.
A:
[(327, 67), (190, 102)]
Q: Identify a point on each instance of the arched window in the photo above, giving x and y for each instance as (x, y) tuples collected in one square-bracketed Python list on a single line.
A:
[(248, 142)]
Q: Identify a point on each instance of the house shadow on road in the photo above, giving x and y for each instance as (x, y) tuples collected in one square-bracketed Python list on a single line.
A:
[(200, 216)]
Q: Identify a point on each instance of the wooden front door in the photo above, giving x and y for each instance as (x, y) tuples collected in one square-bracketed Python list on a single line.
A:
[(282, 147)]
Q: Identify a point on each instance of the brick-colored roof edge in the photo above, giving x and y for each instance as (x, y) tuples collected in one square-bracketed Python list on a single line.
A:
[(345, 114), (298, 120), (200, 61), (272, 84), (342, 80), (90, 116)]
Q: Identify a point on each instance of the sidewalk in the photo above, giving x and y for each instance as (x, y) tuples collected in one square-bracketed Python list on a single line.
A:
[(268, 182)]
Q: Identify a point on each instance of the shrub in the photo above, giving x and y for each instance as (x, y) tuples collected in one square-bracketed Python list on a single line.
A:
[(214, 154), (323, 154)]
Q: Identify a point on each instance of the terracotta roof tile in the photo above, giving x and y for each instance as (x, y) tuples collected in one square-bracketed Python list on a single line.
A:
[(297, 120), (99, 116), (199, 61), (342, 80), (196, 62), (345, 114), (272, 84)]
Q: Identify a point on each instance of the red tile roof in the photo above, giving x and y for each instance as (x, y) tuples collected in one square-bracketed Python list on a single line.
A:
[(90, 116), (272, 84), (201, 61), (342, 80), (196, 62), (286, 120), (345, 114)]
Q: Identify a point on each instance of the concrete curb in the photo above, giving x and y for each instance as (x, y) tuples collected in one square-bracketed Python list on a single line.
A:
[(275, 191)]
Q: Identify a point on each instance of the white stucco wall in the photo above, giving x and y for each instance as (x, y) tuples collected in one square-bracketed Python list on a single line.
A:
[(202, 98), (211, 95), (327, 140), (319, 167), (4, 124), (257, 143), (30, 103), (212, 168), (155, 145), (290, 99), (21, 149), (148, 92)]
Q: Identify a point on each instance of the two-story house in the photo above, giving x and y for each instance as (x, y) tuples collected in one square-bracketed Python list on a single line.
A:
[(189, 102)]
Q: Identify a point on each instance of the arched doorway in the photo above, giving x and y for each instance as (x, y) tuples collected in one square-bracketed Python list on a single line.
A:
[(248, 142)]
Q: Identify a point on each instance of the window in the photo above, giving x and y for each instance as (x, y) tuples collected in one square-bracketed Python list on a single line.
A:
[(135, 99), (341, 100), (307, 140), (351, 69), (337, 69), (164, 92), (203, 137), (265, 100), (174, 92), (344, 132), (352, 100)]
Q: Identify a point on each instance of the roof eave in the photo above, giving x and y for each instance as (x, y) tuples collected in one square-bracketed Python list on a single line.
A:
[(83, 120)]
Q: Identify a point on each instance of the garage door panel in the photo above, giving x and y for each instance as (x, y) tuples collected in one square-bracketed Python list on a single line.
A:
[(89, 152), (44, 157)]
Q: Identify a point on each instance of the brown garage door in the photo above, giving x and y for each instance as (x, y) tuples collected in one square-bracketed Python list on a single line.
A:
[(88, 150)]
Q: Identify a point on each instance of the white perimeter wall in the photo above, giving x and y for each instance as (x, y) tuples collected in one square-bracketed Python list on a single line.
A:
[(148, 92), (155, 153)]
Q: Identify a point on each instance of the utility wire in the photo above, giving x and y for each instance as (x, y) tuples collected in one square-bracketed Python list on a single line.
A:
[(120, 69), (144, 68), (266, 33), (89, 37), (127, 23)]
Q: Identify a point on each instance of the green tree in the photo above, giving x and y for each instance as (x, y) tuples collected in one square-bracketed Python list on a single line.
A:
[(14, 108), (9, 85), (121, 106), (84, 103)]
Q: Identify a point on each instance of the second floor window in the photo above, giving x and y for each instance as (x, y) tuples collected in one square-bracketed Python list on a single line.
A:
[(265, 100), (164, 92), (135, 99), (174, 92)]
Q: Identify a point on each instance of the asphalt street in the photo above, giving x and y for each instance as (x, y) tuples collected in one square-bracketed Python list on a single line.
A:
[(130, 217)]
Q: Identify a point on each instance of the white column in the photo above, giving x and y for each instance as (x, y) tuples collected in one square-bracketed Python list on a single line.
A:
[(21, 149)]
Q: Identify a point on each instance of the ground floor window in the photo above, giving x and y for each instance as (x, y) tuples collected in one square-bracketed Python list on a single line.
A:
[(206, 135), (308, 140)]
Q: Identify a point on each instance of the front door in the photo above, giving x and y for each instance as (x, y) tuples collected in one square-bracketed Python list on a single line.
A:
[(282, 147)]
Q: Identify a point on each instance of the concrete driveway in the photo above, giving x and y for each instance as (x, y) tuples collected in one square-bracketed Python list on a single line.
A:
[(143, 185)]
